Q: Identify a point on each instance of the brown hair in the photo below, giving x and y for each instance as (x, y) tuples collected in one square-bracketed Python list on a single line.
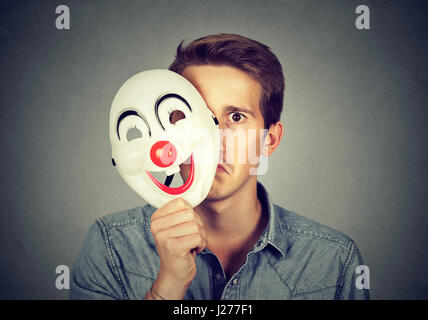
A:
[(250, 56)]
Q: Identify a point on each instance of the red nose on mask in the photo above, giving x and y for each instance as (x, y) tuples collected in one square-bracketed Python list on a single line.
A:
[(163, 154)]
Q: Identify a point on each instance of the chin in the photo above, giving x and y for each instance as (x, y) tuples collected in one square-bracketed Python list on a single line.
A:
[(216, 196), (223, 188), (219, 191)]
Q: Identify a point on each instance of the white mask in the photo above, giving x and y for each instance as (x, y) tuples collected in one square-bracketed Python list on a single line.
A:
[(142, 107)]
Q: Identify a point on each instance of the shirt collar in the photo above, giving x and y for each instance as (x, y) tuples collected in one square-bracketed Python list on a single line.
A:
[(272, 235)]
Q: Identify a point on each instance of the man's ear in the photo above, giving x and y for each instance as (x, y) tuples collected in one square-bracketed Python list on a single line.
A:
[(273, 138)]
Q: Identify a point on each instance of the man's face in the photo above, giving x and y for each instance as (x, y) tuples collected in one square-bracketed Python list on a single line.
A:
[(233, 97)]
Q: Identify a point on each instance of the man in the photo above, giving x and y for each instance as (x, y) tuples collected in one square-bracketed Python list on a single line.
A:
[(236, 244)]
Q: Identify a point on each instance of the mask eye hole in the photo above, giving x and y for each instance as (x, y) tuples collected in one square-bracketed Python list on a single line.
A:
[(133, 133), (176, 116), (131, 126), (170, 109)]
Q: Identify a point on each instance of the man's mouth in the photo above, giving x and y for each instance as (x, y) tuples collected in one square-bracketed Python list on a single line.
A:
[(175, 190), (221, 168)]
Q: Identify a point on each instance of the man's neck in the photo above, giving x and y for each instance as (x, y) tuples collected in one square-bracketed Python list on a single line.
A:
[(236, 220)]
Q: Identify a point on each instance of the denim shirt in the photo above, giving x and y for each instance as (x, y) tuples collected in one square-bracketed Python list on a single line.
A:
[(295, 258)]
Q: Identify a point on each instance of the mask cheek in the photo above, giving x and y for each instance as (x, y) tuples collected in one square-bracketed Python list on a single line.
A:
[(130, 157)]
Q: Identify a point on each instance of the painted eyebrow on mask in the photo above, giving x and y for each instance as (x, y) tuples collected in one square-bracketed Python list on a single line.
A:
[(126, 113), (167, 96)]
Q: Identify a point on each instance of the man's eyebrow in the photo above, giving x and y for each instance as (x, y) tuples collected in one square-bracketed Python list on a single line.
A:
[(239, 109)]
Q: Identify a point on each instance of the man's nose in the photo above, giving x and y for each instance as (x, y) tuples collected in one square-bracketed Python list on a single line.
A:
[(163, 154)]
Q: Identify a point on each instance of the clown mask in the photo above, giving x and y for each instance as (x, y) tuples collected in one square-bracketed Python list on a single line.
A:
[(158, 121)]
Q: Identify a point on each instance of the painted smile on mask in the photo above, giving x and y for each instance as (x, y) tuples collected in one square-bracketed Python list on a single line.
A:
[(177, 190)]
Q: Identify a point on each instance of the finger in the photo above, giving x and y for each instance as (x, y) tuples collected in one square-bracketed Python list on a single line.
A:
[(193, 241), (202, 228), (174, 205), (181, 230), (171, 220), (202, 245)]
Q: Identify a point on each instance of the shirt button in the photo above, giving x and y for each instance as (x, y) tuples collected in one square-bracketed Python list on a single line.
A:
[(235, 281), (218, 277)]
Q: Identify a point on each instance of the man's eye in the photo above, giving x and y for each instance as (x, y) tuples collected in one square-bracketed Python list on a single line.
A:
[(236, 117)]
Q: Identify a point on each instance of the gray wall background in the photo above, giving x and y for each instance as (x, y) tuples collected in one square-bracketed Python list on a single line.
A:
[(353, 156)]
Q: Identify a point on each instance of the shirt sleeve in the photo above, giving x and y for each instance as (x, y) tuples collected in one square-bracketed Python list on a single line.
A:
[(354, 273), (92, 275)]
